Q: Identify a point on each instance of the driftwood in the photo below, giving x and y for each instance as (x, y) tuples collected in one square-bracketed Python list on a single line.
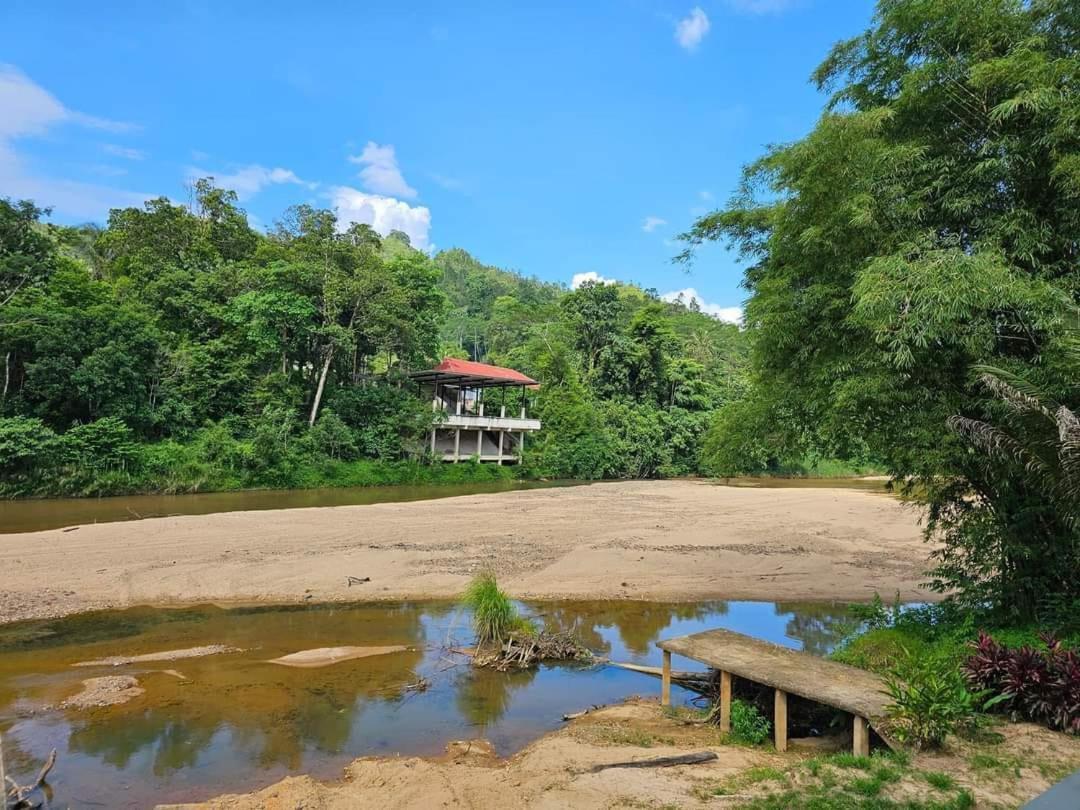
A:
[(576, 715), (350, 581), (18, 797), (701, 682), (524, 650), (659, 762)]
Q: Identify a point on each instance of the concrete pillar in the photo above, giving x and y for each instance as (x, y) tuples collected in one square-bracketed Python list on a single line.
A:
[(433, 431), (457, 445), (479, 443), (521, 446), (501, 434)]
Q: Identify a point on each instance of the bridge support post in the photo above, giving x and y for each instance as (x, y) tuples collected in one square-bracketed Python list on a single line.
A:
[(861, 737), (780, 720), (725, 702), (665, 680)]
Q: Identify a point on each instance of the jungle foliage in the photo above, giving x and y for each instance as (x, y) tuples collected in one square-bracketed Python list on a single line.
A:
[(177, 349), (914, 286)]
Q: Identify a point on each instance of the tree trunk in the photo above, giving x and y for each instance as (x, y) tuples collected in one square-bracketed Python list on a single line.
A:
[(321, 386), (7, 373)]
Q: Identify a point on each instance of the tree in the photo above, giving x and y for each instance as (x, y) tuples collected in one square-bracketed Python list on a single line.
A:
[(926, 225)]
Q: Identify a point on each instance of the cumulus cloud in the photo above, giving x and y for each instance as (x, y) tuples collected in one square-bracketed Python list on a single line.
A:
[(30, 111), (248, 181), (591, 275), (691, 29), (721, 313), (652, 223), (125, 152), (383, 214), (380, 173)]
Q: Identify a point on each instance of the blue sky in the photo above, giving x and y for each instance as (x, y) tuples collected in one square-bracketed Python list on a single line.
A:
[(556, 139)]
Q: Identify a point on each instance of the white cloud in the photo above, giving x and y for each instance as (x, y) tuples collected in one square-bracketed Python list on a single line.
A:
[(591, 275), (691, 29), (652, 223), (125, 152), (28, 111), (721, 313), (384, 214), (706, 196), (248, 181), (761, 6), (381, 174)]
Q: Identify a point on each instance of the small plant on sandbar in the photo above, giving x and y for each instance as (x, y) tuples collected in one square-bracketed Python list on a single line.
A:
[(494, 615)]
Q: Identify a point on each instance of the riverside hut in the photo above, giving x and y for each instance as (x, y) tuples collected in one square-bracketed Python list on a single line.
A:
[(479, 411)]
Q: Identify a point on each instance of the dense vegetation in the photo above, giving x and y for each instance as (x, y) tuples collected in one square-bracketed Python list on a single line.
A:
[(914, 287), (178, 349)]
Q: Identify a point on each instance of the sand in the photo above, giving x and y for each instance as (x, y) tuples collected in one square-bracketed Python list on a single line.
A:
[(164, 655), (556, 771), (110, 690), (326, 656), (662, 540)]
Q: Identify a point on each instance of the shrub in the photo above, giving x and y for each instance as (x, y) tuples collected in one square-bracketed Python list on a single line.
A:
[(25, 444), (930, 700), (107, 444), (748, 725), (332, 437), (1042, 685)]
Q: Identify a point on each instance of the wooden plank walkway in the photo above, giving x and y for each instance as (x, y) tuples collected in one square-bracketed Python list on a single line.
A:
[(787, 671)]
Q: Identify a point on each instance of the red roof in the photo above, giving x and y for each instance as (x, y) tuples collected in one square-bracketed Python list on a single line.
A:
[(470, 373)]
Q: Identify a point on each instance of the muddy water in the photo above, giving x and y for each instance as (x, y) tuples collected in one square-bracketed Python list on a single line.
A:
[(234, 722), (54, 513)]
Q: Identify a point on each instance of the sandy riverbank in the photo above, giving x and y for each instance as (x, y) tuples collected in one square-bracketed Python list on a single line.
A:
[(567, 769), (665, 540)]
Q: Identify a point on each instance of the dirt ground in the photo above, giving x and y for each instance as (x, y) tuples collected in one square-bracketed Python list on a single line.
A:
[(664, 540), (557, 771)]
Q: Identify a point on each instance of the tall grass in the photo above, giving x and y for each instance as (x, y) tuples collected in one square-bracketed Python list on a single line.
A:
[(494, 615)]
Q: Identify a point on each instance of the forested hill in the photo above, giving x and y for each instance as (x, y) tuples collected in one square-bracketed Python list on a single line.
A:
[(178, 349)]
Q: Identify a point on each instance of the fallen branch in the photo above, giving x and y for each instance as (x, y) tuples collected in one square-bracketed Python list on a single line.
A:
[(576, 715), (697, 681), (659, 762), (350, 581)]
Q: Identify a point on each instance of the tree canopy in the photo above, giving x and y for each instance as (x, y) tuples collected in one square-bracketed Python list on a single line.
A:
[(926, 226)]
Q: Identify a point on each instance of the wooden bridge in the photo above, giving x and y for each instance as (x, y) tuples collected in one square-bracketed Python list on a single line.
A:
[(856, 691)]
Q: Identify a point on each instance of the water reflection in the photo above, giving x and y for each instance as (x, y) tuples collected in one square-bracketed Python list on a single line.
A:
[(235, 722)]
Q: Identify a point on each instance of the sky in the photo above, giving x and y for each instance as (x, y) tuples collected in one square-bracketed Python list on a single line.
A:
[(563, 140)]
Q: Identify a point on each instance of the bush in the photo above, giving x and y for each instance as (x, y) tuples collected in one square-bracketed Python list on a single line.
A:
[(25, 444), (930, 700), (107, 444), (332, 437), (1042, 685), (748, 725)]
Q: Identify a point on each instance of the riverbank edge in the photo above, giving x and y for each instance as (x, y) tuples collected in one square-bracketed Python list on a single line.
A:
[(569, 767)]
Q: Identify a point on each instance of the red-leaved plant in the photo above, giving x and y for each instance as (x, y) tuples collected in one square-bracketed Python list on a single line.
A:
[(1039, 685)]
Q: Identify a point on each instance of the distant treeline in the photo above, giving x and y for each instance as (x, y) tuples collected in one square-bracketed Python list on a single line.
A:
[(178, 349)]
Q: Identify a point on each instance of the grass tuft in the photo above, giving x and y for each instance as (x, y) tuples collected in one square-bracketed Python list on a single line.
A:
[(494, 615)]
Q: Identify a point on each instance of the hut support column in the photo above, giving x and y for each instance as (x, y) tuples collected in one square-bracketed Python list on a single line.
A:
[(861, 737), (780, 720), (725, 702), (479, 444), (457, 445), (501, 434)]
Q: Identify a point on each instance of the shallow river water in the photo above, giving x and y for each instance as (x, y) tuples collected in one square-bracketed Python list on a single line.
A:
[(234, 722)]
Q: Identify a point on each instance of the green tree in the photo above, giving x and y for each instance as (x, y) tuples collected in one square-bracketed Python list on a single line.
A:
[(926, 225)]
